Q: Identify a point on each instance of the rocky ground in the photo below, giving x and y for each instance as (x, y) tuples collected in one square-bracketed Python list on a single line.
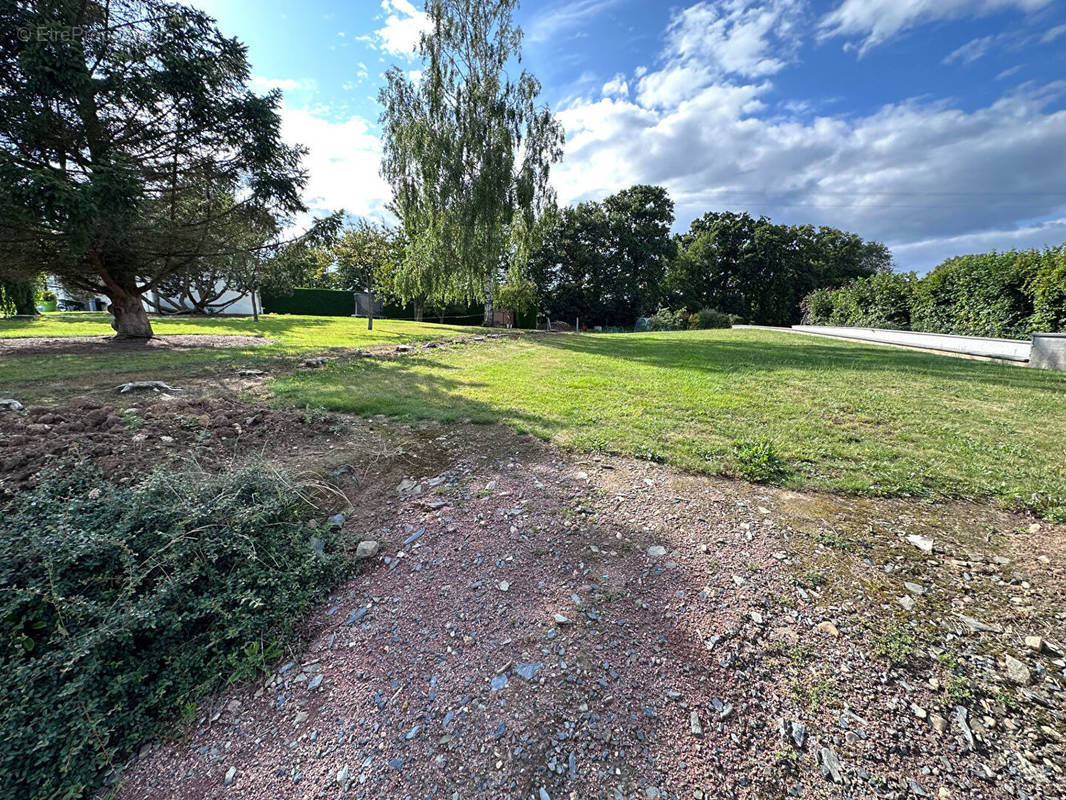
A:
[(529, 623)]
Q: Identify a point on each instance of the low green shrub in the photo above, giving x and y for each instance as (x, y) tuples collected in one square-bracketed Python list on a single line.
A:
[(1012, 295), (758, 461), (709, 318), (122, 606), (666, 320)]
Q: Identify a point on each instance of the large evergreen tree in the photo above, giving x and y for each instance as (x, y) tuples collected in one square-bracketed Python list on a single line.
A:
[(126, 130), (467, 152)]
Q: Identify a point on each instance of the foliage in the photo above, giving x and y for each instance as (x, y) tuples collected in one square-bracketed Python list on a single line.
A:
[(311, 302), (1009, 295), (666, 320), (18, 297), (709, 319), (605, 262), (467, 152), (761, 271), (133, 151), (367, 257), (122, 604), (757, 460), (897, 645), (882, 300)]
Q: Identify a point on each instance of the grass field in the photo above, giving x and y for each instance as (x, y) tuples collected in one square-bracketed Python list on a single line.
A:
[(846, 417), (293, 335)]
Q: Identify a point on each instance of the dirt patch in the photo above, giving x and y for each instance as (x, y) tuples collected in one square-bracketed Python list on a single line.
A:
[(78, 345), (127, 438), (540, 625)]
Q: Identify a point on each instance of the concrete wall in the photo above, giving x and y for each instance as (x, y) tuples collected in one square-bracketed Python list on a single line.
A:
[(1049, 351), (1013, 350)]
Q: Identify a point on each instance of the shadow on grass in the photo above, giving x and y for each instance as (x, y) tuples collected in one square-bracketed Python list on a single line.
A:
[(410, 393), (763, 354)]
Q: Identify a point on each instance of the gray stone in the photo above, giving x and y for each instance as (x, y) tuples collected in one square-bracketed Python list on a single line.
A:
[(959, 718), (336, 521), (231, 773), (830, 764), (318, 547), (907, 602), (367, 548), (343, 776), (404, 348), (543, 794), (656, 550), (356, 615), (914, 588), (527, 671), (499, 682), (694, 724), (414, 537), (923, 543), (1017, 671), (315, 682), (9, 404)]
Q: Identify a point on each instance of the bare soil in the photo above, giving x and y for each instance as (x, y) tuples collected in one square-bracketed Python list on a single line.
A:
[(78, 345), (714, 639)]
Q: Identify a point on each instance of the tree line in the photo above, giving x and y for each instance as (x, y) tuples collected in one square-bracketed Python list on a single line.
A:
[(136, 163), (1011, 294)]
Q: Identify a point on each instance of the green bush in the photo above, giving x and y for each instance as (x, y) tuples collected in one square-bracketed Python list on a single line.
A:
[(124, 605), (758, 461), (708, 318), (1009, 295), (666, 320)]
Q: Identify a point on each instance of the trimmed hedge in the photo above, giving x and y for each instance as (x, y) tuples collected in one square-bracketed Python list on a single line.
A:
[(311, 302), (1007, 295), (122, 606)]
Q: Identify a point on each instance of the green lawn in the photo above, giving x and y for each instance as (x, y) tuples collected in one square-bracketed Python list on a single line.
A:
[(848, 417), (292, 334)]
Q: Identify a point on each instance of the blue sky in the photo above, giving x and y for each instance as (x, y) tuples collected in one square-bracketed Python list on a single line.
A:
[(937, 126)]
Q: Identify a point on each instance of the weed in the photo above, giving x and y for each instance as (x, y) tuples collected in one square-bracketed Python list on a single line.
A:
[(758, 460), (897, 645)]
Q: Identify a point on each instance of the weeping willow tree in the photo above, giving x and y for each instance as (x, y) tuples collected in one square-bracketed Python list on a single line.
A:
[(467, 151)]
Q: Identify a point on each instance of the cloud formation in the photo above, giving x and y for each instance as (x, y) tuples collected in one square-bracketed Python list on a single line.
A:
[(913, 171), (876, 21)]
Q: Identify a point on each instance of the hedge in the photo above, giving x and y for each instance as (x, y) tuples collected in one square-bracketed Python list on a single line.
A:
[(311, 302), (122, 606), (1006, 295)]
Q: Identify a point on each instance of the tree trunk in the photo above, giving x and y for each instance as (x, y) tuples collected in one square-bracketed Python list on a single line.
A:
[(130, 319), (488, 321), (420, 308)]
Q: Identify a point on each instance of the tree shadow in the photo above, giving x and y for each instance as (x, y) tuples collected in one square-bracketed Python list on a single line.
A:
[(795, 352)]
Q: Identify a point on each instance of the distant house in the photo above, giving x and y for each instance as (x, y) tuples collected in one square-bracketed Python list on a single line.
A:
[(222, 301), (503, 318)]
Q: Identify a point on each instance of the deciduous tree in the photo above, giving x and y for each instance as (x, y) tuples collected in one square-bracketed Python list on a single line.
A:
[(467, 150)]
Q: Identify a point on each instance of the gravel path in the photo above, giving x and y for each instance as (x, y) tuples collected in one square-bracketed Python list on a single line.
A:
[(536, 626)]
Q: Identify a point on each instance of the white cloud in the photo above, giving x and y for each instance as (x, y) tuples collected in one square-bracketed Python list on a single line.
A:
[(876, 21), (563, 18), (616, 87), (1053, 34), (261, 85), (403, 28), (971, 51), (911, 172), (344, 162), (708, 42)]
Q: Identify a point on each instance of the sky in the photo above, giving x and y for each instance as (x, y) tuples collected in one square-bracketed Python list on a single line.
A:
[(935, 126)]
